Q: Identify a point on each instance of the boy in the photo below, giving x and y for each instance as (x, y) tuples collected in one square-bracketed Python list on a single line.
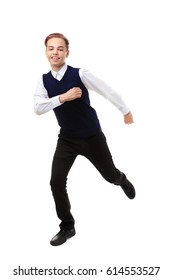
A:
[(65, 90)]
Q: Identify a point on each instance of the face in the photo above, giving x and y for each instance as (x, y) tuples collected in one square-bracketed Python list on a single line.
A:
[(56, 52)]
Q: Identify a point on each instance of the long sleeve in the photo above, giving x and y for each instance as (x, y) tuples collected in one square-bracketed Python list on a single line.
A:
[(95, 84), (42, 103)]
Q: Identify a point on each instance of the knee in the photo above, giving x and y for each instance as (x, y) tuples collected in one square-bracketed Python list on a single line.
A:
[(57, 183)]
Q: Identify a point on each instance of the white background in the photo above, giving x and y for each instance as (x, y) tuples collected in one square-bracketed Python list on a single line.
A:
[(128, 44)]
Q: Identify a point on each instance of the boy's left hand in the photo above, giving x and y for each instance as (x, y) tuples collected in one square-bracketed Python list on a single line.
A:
[(128, 118)]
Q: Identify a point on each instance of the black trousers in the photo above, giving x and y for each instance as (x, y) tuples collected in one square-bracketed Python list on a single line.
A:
[(96, 150)]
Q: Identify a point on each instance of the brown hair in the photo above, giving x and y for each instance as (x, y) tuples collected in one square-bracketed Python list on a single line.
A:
[(57, 35)]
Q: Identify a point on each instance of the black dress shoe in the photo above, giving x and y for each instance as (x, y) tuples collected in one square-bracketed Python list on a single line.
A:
[(128, 188), (62, 236)]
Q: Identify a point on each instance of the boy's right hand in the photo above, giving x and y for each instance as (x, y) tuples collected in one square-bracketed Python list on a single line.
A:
[(70, 95)]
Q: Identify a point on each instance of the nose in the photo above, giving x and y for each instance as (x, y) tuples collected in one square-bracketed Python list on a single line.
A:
[(55, 51)]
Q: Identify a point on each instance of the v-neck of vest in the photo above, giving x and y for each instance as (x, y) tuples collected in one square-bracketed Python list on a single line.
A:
[(62, 77)]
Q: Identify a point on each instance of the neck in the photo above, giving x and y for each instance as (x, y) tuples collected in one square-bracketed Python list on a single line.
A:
[(57, 68)]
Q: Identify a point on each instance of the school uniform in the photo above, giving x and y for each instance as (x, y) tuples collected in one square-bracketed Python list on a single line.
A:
[(80, 132)]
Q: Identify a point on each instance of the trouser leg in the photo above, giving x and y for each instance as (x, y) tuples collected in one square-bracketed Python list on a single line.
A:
[(62, 162), (99, 154)]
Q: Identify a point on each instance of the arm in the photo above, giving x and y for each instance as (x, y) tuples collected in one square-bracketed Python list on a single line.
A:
[(43, 104), (94, 83)]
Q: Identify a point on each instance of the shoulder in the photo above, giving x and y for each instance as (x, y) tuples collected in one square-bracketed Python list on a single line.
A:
[(82, 72), (46, 74), (73, 72), (72, 69)]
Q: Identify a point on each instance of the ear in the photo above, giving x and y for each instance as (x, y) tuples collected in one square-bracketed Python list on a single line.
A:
[(46, 52), (67, 53)]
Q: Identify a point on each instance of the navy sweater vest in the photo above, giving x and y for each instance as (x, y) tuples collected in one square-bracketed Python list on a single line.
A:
[(76, 118)]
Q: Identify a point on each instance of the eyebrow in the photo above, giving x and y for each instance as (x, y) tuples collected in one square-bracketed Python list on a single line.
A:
[(54, 47)]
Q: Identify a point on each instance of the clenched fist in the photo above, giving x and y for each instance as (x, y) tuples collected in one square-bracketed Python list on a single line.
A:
[(128, 118), (70, 95)]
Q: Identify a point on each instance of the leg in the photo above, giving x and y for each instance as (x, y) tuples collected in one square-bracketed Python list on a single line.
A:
[(99, 154), (63, 160)]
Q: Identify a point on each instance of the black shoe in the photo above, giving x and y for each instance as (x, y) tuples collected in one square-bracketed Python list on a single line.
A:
[(62, 236), (128, 188)]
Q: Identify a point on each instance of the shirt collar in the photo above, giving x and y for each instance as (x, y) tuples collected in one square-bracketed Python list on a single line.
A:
[(59, 75)]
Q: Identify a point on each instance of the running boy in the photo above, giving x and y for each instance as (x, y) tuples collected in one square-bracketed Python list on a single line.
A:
[(65, 90)]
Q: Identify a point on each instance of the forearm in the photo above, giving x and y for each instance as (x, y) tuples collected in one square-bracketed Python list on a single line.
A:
[(94, 83), (43, 105)]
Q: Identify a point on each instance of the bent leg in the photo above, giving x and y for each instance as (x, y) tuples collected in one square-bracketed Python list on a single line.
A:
[(99, 155)]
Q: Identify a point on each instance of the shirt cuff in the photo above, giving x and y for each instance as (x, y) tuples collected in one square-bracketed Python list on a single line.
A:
[(125, 110), (55, 102)]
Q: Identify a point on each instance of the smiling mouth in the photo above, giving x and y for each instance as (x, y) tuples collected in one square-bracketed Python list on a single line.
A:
[(55, 58)]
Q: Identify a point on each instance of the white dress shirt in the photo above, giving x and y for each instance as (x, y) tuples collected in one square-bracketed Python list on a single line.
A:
[(43, 104)]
